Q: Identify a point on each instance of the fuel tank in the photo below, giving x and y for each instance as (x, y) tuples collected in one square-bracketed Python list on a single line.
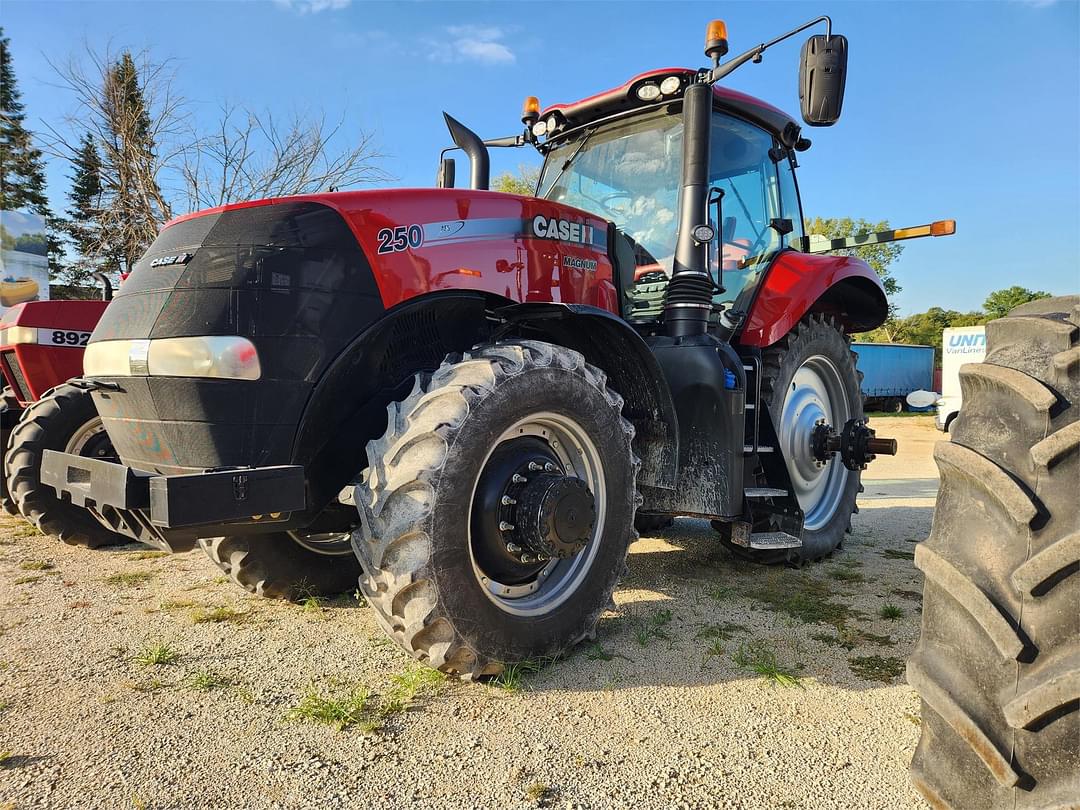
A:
[(302, 278)]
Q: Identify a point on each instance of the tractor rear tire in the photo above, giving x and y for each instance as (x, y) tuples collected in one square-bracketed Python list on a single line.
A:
[(447, 585), (998, 660), (816, 349), (66, 420), (276, 566)]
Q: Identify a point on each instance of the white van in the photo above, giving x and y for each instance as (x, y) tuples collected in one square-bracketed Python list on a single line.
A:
[(959, 345)]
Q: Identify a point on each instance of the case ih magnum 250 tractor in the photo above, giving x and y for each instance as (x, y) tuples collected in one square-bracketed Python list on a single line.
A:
[(41, 348), (475, 392)]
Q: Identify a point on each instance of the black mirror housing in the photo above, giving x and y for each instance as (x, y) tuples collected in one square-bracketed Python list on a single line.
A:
[(822, 77), (447, 169)]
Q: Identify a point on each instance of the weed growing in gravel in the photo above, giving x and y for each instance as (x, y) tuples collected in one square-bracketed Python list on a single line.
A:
[(407, 687), (538, 793), (129, 579), (36, 565), (157, 655), (653, 627), (722, 592), (204, 681), (596, 652), (891, 612), (28, 580), (511, 676), (760, 657), (338, 711), (721, 632), (313, 604), (176, 604), (877, 668), (894, 554), (217, 615), (146, 555)]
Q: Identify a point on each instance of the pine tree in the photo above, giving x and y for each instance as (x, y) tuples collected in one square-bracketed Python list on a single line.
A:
[(22, 171), (83, 225)]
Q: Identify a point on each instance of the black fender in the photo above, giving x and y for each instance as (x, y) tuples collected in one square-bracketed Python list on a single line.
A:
[(609, 342)]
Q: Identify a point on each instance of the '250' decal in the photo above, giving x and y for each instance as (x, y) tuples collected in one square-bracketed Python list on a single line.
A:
[(400, 238)]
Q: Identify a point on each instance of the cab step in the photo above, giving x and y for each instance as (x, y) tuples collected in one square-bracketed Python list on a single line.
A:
[(768, 541)]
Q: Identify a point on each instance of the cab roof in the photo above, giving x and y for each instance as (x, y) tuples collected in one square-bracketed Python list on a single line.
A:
[(624, 97)]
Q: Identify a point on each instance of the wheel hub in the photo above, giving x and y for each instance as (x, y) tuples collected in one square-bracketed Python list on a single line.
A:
[(553, 516)]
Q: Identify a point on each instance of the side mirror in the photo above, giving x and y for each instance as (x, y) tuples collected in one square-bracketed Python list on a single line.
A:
[(822, 75), (445, 177)]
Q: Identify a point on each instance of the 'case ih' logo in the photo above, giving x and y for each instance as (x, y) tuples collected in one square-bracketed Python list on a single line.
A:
[(164, 261), (561, 229)]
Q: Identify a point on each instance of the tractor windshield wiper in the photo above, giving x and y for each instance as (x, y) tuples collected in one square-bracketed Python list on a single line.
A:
[(568, 161)]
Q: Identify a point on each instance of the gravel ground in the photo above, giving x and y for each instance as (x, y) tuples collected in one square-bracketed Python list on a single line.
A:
[(666, 710)]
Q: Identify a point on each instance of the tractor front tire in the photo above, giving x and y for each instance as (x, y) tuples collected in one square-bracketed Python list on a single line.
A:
[(64, 419), (998, 660), (277, 566), (809, 374), (9, 410), (444, 573)]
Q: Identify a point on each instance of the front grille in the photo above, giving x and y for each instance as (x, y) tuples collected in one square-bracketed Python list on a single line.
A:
[(14, 376)]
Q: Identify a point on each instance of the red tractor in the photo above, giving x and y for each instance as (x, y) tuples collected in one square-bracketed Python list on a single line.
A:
[(45, 406), (464, 397)]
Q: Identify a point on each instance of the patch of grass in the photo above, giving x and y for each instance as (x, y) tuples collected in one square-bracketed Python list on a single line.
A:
[(217, 615), (157, 655), (846, 575), (146, 555), (204, 681), (800, 597), (722, 592), (596, 652), (312, 604), (177, 604), (896, 554), (653, 627), (406, 688), (721, 632), (850, 562), (36, 565), (851, 637), (339, 711), (760, 657), (877, 668), (28, 580), (538, 793), (891, 612), (129, 579), (510, 679)]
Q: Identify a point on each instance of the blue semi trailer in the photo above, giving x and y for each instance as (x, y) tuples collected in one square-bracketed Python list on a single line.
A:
[(891, 371)]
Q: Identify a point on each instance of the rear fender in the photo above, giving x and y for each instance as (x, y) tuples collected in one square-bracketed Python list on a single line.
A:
[(799, 283), (610, 343)]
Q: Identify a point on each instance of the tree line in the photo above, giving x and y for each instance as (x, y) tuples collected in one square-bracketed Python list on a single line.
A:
[(137, 158)]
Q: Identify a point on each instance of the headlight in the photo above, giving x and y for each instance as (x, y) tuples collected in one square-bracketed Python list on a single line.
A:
[(670, 85), (540, 128), (648, 92), (552, 124), (214, 356), (17, 334)]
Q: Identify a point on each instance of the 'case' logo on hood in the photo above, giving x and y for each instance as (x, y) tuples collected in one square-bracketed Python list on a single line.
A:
[(561, 229)]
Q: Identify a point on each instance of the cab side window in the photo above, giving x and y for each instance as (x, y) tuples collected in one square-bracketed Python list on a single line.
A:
[(789, 201)]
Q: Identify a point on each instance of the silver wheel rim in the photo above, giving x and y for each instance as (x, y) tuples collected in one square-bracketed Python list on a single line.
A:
[(816, 393), (559, 579), (81, 437), (329, 544)]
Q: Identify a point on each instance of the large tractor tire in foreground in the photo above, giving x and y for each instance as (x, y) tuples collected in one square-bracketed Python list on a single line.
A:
[(808, 376), (497, 509), (64, 419), (998, 661), (286, 565)]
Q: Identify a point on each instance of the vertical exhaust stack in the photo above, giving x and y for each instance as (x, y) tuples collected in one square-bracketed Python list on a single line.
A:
[(688, 300), (469, 142)]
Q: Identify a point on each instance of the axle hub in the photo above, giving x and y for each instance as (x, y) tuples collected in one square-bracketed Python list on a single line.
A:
[(857, 444), (554, 516)]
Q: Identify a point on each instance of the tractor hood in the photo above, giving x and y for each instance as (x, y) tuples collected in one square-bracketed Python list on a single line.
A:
[(301, 278)]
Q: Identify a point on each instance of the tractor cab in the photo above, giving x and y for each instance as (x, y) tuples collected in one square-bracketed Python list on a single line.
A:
[(624, 163)]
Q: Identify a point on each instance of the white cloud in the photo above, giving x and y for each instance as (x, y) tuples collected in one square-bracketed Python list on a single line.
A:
[(471, 43), (312, 6)]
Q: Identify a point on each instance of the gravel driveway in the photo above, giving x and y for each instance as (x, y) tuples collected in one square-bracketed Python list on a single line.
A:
[(134, 680)]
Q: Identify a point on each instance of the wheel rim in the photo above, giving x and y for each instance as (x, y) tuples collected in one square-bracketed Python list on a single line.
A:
[(329, 544), (90, 441), (816, 394), (547, 586)]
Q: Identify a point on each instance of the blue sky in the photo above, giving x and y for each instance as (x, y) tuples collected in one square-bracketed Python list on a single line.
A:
[(965, 110)]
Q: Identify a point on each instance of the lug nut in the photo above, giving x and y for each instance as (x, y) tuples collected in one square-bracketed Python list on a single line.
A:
[(505, 527), (535, 466), (525, 558), (508, 501), (513, 548), (519, 479), (549, 467)]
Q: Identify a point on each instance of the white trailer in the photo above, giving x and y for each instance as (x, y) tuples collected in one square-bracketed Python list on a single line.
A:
[(959, 345)]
